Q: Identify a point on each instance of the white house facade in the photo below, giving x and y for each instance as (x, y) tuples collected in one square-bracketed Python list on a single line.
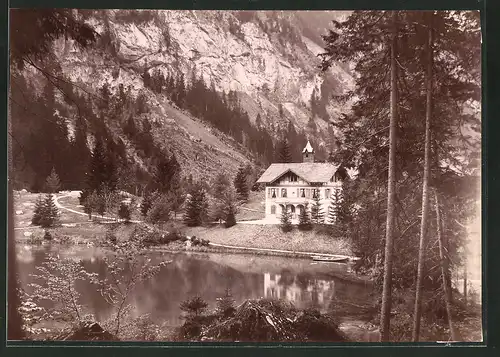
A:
[(293, 186)]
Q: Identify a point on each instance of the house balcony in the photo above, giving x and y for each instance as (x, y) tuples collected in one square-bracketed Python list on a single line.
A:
[(292, 200)]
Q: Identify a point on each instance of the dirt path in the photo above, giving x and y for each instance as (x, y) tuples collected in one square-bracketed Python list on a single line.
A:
[(60, 206)]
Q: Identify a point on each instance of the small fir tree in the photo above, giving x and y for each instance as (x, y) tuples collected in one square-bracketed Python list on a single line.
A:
[(93, 203), (225, 305), (124, 212), (317, 214), (176, 198), (38, 211), (230, 219), (52, 183), (49, 212), (160, 210), (47, 235), (286, 220), (241, 185), (147, 202), (196, 206), (194, 306), (304, 219), (220, 185), (284, 152), (335, 206)]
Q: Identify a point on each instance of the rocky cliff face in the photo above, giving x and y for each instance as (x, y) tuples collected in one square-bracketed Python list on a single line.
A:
[(268, 58)]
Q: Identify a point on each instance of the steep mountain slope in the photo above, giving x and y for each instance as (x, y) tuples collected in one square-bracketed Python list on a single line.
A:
[(268, 58)]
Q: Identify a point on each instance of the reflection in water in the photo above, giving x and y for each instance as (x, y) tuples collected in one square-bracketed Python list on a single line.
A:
[(301, 290), (205, 275)]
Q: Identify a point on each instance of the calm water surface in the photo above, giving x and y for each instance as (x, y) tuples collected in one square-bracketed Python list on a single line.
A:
[(300, 281)]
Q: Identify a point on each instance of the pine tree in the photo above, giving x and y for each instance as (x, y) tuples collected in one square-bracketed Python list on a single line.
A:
[(124, 212), (317, 214), (166, 176), (305, 223), (196, 206), (52, 183), (96, 177), (160, 210), (176, 198), (49, 212), (425, 184), (194, 307), (230, 218), (80, 154), (38, 211), (241, 185), (258, 121), (331, 158), (220, 185), (334, 211), (284, 152), (286, 220), (225, 305), (147, 201)]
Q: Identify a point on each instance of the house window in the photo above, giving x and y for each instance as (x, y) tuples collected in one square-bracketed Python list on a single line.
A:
[(315, 193), (283, 192), (273, 209), (302, 192), (273, 193), (293, 178), (327, 193)]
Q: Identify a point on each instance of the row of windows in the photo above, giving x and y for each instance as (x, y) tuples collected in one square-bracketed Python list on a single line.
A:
[(302, 192)]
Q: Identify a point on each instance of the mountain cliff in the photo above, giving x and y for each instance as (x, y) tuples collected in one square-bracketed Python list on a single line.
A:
[(267, 59)]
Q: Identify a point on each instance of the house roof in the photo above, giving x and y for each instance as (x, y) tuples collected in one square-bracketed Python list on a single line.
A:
[(308, 148), (309, 171)]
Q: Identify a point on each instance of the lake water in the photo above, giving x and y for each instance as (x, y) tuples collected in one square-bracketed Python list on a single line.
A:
[(305, 283)]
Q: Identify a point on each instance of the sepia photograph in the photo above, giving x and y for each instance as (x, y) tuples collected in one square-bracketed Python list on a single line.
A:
[(244, 176)]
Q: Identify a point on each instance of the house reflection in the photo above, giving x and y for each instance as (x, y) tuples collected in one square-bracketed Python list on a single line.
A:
[(301, 290)]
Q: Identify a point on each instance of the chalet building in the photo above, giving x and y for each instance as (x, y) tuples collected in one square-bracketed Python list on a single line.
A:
[(292, 185)]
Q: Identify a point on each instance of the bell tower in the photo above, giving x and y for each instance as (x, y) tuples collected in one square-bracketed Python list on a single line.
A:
[(308, 153)]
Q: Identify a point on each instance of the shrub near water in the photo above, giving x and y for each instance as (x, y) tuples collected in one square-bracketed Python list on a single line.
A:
[(261, 320)]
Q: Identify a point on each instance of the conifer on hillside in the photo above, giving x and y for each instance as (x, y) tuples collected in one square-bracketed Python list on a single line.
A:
[(160, 210), (241, 185), (334, 208), (286, 220), (124, 212), (225, 305), (38, 211), (49, 212), (52, 183), (305, 223), (317, 214), (196, 206), (147, 202), (284, 154)]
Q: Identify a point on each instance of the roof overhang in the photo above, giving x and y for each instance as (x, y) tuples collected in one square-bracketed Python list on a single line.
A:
[(284, 173)]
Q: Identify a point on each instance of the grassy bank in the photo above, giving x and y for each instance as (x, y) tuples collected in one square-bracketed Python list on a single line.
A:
[(271, 237)]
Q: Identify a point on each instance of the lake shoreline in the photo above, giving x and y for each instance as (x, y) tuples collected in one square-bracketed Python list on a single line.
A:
[(178, 247)]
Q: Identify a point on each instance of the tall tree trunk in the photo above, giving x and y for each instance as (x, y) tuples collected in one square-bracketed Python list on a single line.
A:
[(465, 281), (14, 320), (444, 269), (425, 190), (385, 313)]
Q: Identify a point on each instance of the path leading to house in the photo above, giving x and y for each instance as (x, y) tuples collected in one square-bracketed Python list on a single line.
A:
[(60, 206), (73, 193)]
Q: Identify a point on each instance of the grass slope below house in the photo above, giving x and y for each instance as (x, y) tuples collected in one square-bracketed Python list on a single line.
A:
[(271, 237), (254, 209)]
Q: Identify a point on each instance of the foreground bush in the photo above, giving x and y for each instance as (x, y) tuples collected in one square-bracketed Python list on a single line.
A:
[(262, 321)]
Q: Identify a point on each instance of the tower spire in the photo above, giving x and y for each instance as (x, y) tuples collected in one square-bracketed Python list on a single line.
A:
[(308, 153)]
